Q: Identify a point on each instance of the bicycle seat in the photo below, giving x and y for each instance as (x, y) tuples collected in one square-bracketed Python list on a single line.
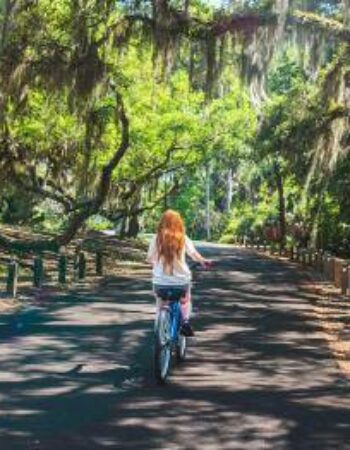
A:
[(171, 294)]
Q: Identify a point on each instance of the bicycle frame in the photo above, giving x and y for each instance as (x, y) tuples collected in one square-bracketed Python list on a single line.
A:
[(175, 318)]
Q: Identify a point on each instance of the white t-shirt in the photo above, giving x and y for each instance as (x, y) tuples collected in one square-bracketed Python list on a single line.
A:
[(181, 273)]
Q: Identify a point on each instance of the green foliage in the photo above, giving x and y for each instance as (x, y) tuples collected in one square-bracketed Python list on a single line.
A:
[(63, 63), (99, 223), (17, 207), (47, 216), (297, 144), (287, 76)]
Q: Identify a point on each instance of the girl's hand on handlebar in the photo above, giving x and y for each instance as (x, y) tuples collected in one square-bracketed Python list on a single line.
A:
[(207, 264)]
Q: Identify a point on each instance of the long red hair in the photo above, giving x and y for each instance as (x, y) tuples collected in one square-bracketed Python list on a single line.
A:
[(170, 239)]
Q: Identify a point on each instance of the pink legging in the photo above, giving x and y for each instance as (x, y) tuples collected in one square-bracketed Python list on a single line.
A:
[(186, 305)]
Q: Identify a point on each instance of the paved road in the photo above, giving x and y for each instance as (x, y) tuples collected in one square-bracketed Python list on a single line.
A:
[(75, 372)]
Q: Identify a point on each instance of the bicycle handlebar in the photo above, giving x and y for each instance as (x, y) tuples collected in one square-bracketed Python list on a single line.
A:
[(208, 265)]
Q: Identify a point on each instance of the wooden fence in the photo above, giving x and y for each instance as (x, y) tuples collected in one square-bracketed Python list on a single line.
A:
[(75, 265), (333, 269)]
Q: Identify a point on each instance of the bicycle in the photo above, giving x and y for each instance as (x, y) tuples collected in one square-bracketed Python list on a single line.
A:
[(167, 332)]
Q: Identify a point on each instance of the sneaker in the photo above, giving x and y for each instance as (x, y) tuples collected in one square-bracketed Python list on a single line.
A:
[(187, 330)]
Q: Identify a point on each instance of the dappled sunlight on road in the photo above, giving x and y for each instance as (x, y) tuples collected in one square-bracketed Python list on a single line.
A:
[(259, 374)]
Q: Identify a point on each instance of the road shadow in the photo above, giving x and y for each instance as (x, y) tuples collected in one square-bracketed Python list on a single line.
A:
[(76, 372)]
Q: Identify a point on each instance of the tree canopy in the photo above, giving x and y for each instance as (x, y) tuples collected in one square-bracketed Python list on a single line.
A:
[(112, 110)]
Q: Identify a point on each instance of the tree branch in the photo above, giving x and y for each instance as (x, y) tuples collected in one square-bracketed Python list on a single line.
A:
[(105, 180), (119, 214), (78, 218), (316, 22)]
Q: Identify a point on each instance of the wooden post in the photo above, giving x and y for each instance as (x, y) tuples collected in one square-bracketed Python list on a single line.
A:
[(81, 266), (331, 268), (12, 279), (303, 257), (344, 279), (99, 263), (292, 253), (317, 260), (325, 264), (62, 269), (309, 257), (38, 272), (312, 258), (265, 246), (320, 260)]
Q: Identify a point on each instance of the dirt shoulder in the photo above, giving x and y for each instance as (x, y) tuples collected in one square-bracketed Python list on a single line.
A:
[(333, 312), (119, 257)]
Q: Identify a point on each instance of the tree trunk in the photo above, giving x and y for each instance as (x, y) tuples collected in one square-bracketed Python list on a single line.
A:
[(229, 191), (134, 226), (88, 208), (85, 173), (123, 227), (207, 202), (7, 10), (281, 204), (165, 201), (346, 12)]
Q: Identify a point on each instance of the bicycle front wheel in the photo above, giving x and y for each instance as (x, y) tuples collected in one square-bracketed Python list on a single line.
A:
[(162, 347)]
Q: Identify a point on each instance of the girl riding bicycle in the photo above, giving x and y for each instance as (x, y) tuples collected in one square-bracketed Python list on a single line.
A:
[(167, 253)]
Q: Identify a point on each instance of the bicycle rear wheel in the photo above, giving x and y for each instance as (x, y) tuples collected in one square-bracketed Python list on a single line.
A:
[(162, 347), (181, 348)]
